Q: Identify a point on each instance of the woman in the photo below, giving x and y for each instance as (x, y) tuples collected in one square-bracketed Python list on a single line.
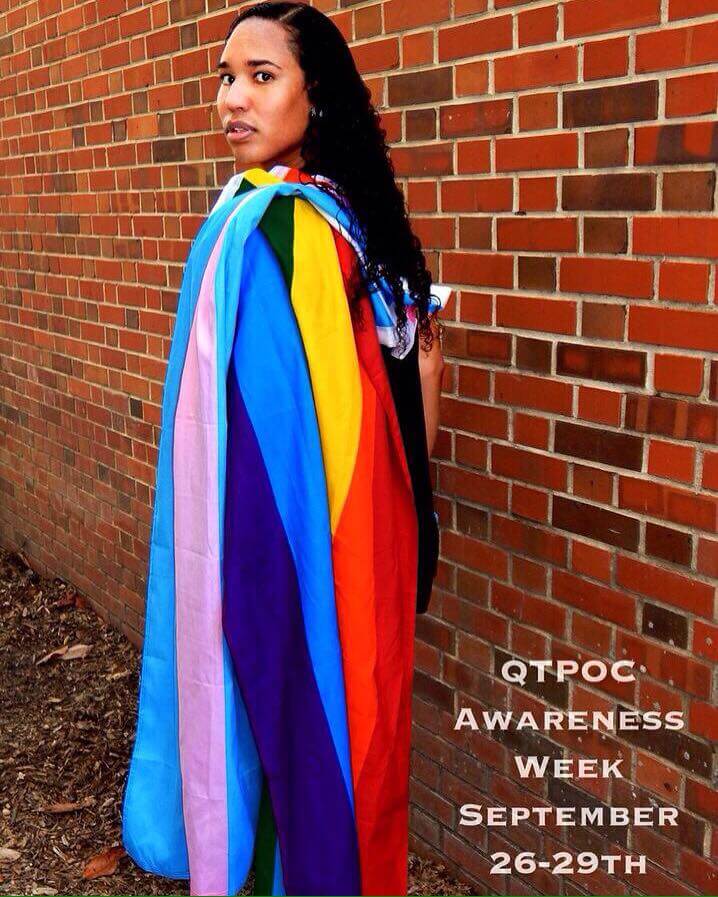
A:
[(293, 536)]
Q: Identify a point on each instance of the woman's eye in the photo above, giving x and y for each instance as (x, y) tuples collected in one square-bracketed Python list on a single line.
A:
[(269, 75), (223, 76)]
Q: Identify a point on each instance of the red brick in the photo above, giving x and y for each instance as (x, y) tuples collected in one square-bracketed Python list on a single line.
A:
[(528, 575), (475, 38), (528, 313), (593, 483), (423, 161), (674, 462), (530, 430), (474, 554), (613, 277), (533, 392), (491, 270), (692, 142), (473, 382), (537, 111), (538, 26), (603, 321), (481, 419), (595, 523), (703, 720), (691, 95), (476, 118), (599, 406), (690, 191), (477, 195), (379, 55), (541, 544), (528, 467), (587, 17), (541, 68), (710, 471), (475, 233), (609, 192), (487, 345), (660, 500), (537, 234), (536, 153), (606, 604), (605, 235), (678, 374), (597, 363), (707, 557), (705, 640), (606, 149), (471, 77), (420, 124), (683, 672), (529, 503), (673, 327), (665, 586), (605, 58), (674, 48), (528, 609), (683, 282), (610, 105), (471, 451), (537, 194), (473, 156), (687, 9), (602, 446), (422, 196), (399, 15), (668, 544), (533, 355), (475, 307), (590, 561), (537, 273), (473, 486)]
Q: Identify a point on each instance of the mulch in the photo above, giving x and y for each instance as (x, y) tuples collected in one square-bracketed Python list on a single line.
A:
[(68, 692)]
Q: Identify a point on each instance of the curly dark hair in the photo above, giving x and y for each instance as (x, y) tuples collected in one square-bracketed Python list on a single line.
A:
[(347, 144)]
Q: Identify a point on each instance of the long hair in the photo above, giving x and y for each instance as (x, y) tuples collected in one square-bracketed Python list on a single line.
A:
[(345, 142)]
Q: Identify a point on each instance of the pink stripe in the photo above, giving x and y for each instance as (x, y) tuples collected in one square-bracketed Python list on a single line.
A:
[(199, 637)]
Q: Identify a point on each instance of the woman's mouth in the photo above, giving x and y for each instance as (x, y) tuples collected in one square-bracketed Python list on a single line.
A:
[(236, 133)]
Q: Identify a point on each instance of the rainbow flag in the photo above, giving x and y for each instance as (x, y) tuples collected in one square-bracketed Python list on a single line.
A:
[(275, 691)]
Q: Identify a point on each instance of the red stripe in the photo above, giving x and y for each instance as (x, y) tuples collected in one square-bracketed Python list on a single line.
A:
[(375, 562)]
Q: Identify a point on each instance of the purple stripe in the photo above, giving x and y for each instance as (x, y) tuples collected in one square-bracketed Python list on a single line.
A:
[(264, 628)]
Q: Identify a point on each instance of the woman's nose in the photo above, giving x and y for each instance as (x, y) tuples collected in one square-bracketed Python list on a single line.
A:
[(238, 95)]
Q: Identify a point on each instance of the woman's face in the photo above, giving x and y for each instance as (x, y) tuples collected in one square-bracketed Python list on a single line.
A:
[(262, 89)]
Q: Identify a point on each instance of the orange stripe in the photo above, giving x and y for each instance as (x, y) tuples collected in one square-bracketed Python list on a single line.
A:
[(375, 557)]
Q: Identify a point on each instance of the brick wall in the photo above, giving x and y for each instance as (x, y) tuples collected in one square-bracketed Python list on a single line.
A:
[(559, 161)]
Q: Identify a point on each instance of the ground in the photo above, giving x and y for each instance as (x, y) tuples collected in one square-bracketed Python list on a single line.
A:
[(67, 717)]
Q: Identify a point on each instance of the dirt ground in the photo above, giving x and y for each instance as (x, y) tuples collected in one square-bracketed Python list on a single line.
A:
[(68, 689)]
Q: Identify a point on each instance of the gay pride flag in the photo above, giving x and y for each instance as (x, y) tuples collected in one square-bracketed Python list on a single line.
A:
[(274, 707)]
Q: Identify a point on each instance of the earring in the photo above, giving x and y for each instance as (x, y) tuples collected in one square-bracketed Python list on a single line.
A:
[(316, 113)]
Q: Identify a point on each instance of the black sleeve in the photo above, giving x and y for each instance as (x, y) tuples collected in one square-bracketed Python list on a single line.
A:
[(406, 389)]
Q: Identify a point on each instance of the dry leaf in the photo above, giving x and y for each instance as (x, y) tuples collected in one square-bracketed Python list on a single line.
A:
[(58, 652), (44, 891), (69, 807), (8, 855), (77, 652), (67, 600), (103, 863)]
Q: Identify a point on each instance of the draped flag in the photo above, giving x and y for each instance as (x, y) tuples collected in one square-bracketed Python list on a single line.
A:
[(275, 690)]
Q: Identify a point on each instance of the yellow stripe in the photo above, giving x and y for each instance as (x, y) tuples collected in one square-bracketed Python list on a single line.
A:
[(322, 311), (259, 177)]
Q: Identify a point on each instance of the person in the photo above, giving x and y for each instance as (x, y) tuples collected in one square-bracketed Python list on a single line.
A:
[(293, 536)]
